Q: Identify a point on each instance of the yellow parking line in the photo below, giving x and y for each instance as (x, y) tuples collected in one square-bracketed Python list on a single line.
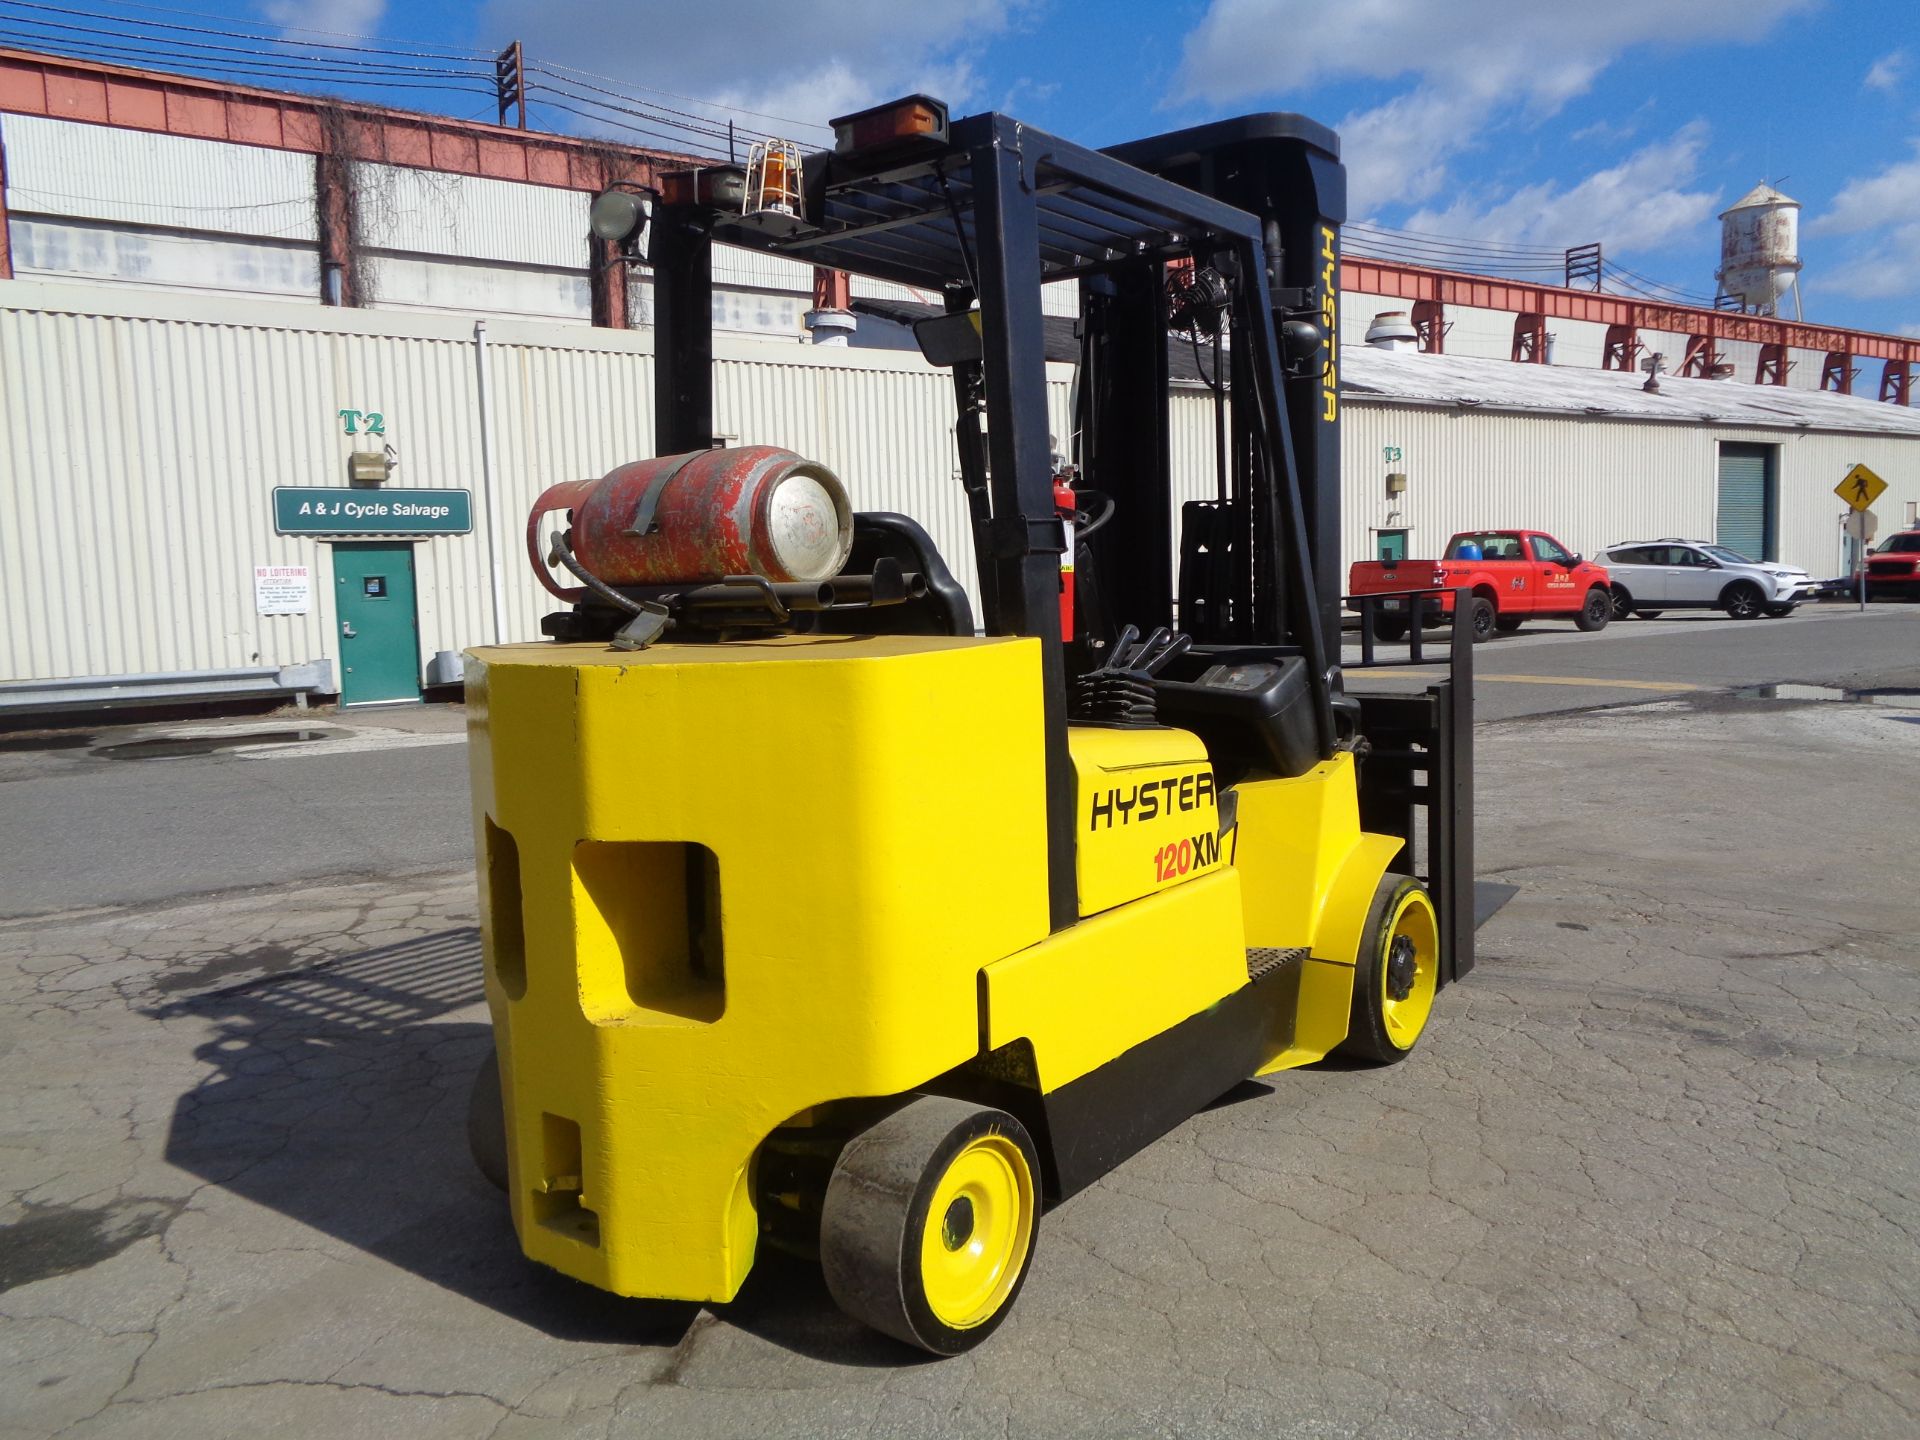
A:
[(1592, 682)]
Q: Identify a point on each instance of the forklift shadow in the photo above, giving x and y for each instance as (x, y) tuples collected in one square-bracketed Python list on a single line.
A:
[(338, 1097)]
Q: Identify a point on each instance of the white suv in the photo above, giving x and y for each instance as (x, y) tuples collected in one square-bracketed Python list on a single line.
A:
[(1654, 575)]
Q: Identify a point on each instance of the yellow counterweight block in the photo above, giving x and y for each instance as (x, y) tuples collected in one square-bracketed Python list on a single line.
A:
[(720, 885), (1308, 876)]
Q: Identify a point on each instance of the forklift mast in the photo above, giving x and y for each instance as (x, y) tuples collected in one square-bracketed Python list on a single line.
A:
[(985, 211), (1285, 170), (1231, 230)]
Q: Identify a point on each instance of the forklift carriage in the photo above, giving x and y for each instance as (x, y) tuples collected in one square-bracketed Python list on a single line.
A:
[(815, 917)]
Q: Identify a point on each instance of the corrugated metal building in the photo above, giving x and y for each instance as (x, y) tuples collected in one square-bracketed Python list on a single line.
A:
[(146, 432), (166, 364)]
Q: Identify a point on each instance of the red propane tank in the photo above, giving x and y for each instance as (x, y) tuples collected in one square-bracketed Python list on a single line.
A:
[(697, 518), (1063, 504)]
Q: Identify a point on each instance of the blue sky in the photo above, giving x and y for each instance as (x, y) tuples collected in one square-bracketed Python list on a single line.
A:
[(1540, 123)]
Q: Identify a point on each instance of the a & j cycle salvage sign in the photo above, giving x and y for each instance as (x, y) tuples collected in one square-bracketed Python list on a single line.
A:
[(372, 512)]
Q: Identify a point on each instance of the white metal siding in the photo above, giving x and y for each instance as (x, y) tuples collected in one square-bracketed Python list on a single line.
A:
[(1595, 482), (471, 217), (62, 167), (145, 433), (155, 259)]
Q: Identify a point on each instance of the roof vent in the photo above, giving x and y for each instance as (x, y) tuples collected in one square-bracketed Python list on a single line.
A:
[(1392, 330)]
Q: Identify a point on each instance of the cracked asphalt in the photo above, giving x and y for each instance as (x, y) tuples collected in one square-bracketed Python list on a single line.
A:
[(1653, 1170)]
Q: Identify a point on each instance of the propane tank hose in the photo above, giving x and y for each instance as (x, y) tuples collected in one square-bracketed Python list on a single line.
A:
[(650, 618)]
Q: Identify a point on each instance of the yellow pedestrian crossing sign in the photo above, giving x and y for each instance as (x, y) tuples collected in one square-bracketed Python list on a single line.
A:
[(1861, 487)]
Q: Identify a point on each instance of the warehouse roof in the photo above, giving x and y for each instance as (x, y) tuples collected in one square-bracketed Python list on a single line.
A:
[(1408, 377)]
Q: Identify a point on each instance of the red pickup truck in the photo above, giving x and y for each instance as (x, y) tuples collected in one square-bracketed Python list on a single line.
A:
[(1513, 574)]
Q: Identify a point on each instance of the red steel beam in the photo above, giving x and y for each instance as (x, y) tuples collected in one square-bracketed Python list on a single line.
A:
[(1359, 275), (65, 89), (86, 91)]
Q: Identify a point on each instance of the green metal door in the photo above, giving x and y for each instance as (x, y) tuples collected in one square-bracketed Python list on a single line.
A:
[(379, 640), (1744, 519)]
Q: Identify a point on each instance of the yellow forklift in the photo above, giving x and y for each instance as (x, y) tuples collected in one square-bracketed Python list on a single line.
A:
[(819, 917)]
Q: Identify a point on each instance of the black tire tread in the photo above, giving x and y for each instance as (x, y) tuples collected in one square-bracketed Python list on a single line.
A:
[(1594, 616), (487, 1122), (1366, 1029), (875, 1208)]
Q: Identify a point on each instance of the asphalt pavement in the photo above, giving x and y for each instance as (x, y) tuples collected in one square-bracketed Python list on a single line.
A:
[(1549, 667), (86, 823), (83, 827), (1654, 1169)]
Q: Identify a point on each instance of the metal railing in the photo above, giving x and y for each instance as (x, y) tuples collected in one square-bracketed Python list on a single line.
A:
[(93, 692)]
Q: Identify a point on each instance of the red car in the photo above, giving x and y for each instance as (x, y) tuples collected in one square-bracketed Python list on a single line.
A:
[(1513, 574), (1893, 571)]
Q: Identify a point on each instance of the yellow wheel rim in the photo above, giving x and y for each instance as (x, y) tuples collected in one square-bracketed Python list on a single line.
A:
[(978, 1229), (1412, 935)]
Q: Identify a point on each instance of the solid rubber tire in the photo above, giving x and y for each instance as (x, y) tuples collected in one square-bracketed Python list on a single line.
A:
[(1366, 1029), (875, 1211), (1596, 609), (487, 1122)]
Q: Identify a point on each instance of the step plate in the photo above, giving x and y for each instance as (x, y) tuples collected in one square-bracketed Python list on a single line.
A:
[(1265, 962)]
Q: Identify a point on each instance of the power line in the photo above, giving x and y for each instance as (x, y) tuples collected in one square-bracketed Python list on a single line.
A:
[(552, 66), (699, 123), (379, 48), (681, 145), (1454, 241), (197, 48), (268, 57), (246, 69), (1646, 285)]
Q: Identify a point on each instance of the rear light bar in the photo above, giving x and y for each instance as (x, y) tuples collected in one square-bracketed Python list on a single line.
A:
[(898, 124)]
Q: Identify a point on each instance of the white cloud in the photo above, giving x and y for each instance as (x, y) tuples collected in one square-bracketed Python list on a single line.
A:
[(1882, 212), (1470, 65), (1874, 201), (1641, 203), (1396, 152), (810, 62), (326, 17), (1545, 51), (1887, 72)]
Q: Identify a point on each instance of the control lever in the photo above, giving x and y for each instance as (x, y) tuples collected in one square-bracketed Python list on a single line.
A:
[(1119, 691)]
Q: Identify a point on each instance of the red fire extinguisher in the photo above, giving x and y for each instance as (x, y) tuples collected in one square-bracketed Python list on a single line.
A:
[(1063, 504)]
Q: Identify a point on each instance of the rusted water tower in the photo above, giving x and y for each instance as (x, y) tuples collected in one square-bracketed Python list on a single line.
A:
[(1760, 251)]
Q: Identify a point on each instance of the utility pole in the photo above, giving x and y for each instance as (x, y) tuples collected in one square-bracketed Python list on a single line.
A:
[(510, 83)]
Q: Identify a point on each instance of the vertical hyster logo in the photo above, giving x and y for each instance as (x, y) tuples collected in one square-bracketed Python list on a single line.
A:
[(1330, 322)]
